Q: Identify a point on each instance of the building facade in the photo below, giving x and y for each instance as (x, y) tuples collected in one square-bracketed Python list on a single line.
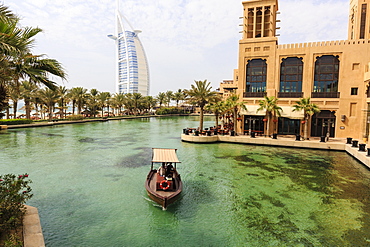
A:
[(132, 66), (334, 74)]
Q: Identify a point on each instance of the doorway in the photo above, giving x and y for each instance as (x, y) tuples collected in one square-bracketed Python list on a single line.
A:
[(323, 124)]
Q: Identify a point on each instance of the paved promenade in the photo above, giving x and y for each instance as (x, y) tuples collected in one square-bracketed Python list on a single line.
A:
[(335, 144)]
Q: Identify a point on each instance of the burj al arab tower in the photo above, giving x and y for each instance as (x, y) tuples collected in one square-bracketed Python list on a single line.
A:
[(132, 66)]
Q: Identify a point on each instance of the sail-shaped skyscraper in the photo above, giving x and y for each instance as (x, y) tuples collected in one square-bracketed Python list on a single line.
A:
[(132, 66)]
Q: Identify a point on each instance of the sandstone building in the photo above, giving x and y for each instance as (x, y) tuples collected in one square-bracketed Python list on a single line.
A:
[(334, 74)]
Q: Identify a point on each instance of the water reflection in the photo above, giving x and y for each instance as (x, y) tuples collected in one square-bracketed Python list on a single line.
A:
[(88, 182)]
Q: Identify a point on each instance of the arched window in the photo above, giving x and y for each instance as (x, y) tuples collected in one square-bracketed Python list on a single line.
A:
[(256, 76), (326, 74), (291, 71)]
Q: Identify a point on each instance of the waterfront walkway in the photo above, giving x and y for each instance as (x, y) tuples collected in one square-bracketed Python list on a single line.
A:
[(336, 144)]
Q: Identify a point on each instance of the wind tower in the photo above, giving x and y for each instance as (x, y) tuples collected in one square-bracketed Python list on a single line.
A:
[(131, 62), (257, 48), (260, 19), (359, 20)]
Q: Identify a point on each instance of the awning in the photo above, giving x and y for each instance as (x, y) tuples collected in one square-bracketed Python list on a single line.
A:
[(252, 110), (287, 112), (165, 155)]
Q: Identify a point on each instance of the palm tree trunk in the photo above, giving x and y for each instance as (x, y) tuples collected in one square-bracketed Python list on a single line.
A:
[(28, 108), (15, 107), (50, 112), (201, 119), (305, 134), (268, 124), (234, 118)]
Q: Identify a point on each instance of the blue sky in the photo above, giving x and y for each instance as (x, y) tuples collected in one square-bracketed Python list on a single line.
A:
[(185, 40)]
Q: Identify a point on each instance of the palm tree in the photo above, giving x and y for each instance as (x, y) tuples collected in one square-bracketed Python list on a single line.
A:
[(103, 101), (63, 100), (178, 96), (309, 109), (136, 100), (49, 97), (200, 94), (233, 105), (118, 101), (148, 103), (78, 96), (272, 109), (217, 108), (27, 92), (93, 101), (161, 98), (169, 97), (15, 96)]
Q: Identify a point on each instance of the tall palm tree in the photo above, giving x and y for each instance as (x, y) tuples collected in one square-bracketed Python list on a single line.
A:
[(148, 103), (161, 98), (63, 100), (27, 92), (49, 97), (136, 100), (169, 97), (178, 96), (309, 109), (103, 101), (233, 105), (78, 96), (93, 101), (118, 101), (200, 94), (15, 96), (272, 109), (217, 108)]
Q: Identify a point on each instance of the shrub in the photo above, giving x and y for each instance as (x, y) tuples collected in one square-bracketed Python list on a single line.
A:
[(75, 117), (14, 192), (170, 110), (15, 121)]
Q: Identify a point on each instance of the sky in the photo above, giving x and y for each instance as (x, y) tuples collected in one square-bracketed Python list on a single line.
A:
[(184, 40)]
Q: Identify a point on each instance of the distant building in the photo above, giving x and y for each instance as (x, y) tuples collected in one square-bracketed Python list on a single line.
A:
[(334, 74), (132, 66)]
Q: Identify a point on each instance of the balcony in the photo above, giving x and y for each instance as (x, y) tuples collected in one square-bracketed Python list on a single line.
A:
[(325, 95), (290, 94), (254, 94)]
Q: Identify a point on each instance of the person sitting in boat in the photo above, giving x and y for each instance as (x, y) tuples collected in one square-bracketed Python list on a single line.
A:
[(162, 169), (169, 170)]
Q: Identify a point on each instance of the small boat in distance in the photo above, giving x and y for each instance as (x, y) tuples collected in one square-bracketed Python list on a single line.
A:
[(164, 184)]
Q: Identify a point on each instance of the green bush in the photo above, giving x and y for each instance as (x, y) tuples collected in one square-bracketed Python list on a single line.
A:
[(14, 192), (15, 121), (169, 110), (75, 117)]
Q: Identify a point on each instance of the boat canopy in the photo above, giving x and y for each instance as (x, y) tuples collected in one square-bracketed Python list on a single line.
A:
[(165, 155)]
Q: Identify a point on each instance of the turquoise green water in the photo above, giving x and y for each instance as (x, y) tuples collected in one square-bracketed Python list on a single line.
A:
[(88, 184)]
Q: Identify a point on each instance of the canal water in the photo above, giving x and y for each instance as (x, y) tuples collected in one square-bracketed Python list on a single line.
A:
[(88, 184)]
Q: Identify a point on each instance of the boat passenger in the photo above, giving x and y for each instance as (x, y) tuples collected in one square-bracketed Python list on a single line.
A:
[(169, 169)]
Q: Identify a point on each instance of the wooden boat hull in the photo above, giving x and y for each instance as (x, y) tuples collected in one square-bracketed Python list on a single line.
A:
[(163, 198)]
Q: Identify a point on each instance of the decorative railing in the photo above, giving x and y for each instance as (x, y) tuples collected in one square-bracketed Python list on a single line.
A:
[(254, 94), (290, 94), (325, 95)]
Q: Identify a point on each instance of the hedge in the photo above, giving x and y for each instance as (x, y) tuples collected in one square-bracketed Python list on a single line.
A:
[(15, 121)]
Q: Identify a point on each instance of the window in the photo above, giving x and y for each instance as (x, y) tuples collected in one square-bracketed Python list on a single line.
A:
[(352, 109), (326, 74), (291, 70), (354, 91), (363, 21), (256, 76), (355, 66)]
